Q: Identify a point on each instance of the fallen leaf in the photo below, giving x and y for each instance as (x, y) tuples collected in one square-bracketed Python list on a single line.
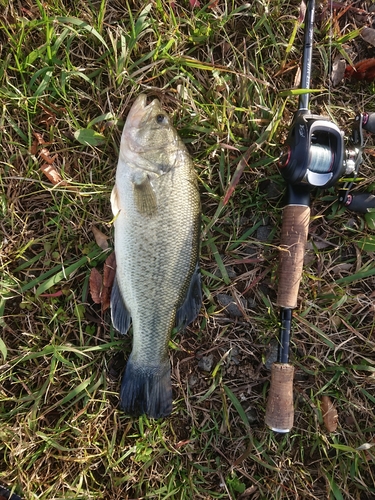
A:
[(365, 446), (55, 294), (106, 298), (45, 156), (249, 492), (89, 137), (38, 140), (100, 238), (302, 12), (52, 174), (101, 287), (297, 77), (109, 270), (109, 274), (338, 70), (47, 117), (330, 416), (96, 285), (368, 35), (362, 71)]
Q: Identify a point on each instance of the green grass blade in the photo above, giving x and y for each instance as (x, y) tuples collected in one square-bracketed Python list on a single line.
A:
[(3, 347), (237, 405), (83, 25)]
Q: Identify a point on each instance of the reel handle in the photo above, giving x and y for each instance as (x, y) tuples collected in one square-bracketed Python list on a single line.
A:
[(360, 203), (279, 410), (369, 122), (294, 231)]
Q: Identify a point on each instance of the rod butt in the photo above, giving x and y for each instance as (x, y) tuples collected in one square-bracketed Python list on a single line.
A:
[(280, 410)]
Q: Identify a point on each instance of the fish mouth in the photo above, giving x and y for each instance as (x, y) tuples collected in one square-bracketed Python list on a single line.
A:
[(140, 111)]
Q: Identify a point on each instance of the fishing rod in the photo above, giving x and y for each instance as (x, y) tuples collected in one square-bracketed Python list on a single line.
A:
[(315, 157)]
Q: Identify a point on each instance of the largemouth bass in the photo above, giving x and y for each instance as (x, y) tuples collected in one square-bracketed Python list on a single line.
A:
[(156, 206)]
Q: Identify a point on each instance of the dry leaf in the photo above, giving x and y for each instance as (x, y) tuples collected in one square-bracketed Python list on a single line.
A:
[(38, 140), (100, 238), (362, 71), (302, 11), (249, 492), (338, 70), (55, 294), (96, 285), (109, 270), (109, 274), (330, 416), (44, 154), (47, 117), (297, 77), (52, 174), (106, 298), (368, 35), (101, 287)]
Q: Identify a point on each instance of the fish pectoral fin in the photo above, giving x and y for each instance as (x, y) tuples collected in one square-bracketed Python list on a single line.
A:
[(189, 309), (120, 315), (144, 197), (114, 201)]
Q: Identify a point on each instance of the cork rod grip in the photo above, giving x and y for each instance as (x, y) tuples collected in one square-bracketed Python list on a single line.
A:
[(279, 410), (295, 227)]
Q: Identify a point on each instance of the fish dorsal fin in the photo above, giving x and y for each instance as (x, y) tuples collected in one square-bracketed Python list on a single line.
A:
[(120, 315), (144, 196), (189, 309)]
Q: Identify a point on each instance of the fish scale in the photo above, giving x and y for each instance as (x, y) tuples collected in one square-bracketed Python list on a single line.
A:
[(156, 206)]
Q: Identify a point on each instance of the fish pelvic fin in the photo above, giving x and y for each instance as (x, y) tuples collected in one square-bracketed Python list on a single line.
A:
[(146, 390), (120, 315), (189, 309)]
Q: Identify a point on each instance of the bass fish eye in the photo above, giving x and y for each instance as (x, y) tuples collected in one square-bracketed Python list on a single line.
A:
[(160, 118)]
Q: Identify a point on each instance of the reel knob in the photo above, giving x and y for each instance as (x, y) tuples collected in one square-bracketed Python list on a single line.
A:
[(369, 122)]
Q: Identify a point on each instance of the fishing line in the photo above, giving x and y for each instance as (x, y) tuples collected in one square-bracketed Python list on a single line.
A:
[(321, 158)]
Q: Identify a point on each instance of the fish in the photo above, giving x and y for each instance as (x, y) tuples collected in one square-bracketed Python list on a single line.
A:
[(157, 213)]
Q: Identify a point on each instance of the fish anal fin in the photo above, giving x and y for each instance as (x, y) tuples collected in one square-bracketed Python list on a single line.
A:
[(120, 315), (189, 309), (144, 197)]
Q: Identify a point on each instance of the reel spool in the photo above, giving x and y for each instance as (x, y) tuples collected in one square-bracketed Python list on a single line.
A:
[(322, 159), (315, 152)]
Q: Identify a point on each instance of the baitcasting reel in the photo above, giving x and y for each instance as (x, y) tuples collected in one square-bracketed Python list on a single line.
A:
[(315, 156), (314, 153)]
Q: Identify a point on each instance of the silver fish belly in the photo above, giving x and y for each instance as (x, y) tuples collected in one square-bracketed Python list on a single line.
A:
[(156, 206)]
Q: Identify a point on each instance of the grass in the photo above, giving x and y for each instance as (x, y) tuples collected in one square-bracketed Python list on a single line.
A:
[(69, 72)]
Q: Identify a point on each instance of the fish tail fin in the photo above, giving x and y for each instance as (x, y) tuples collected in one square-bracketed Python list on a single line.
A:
[(146, 389)]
